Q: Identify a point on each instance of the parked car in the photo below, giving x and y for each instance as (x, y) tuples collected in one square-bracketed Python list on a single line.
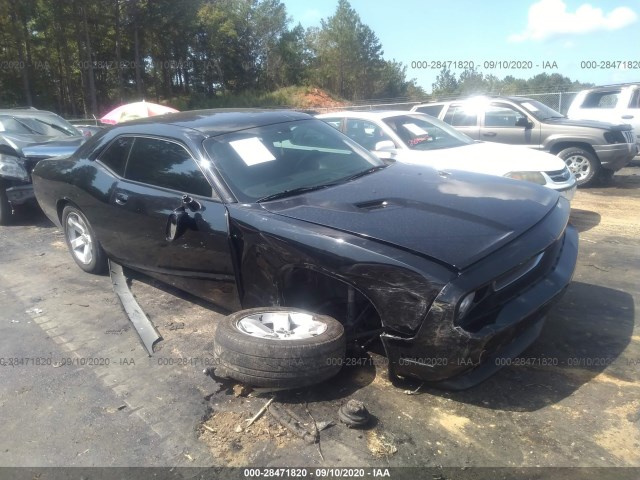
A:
[(421, 139), (592, 150), (609, 103), (89, 130), (27, 136), (452, 271)]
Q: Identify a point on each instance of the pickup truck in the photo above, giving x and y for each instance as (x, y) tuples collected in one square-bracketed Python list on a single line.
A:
[(592, 150)]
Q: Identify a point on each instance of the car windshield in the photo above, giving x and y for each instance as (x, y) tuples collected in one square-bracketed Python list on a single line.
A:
[(46, 125), (422, 132), (539, 110), (285, 159)]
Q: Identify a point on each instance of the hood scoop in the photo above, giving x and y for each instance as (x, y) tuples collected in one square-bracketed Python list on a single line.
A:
[(376, 205)]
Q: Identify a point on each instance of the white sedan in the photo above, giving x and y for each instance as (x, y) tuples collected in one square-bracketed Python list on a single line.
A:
[(421, 139)]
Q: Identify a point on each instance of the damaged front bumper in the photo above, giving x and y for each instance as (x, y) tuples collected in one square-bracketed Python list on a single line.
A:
[(449, 354)]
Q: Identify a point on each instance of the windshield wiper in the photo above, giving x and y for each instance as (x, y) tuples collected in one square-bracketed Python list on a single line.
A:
[(299, 190), (292, 192), (554, 116), (360, 174), (56, 127), (31, 129)]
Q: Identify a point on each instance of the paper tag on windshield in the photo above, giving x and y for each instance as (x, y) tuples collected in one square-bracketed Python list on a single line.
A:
[(252, 151), (415, 129)]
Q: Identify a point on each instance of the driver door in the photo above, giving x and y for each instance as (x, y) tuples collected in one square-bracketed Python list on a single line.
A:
[(505, 124), (158, 174)]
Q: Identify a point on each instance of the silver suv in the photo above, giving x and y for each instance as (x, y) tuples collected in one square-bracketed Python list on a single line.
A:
[(590, 149), (610, 103)]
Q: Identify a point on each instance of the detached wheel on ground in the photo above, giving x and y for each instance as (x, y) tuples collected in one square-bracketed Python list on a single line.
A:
[(583, 164), (5, 208), (83, 245), (278, 347)]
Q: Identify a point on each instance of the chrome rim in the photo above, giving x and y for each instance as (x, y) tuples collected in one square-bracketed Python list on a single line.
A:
[(79, 238), (281, 325), (579, 166)]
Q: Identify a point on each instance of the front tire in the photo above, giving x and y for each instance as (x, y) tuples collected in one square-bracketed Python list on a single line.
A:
[(275, 347), (583, 164), (82, 242)]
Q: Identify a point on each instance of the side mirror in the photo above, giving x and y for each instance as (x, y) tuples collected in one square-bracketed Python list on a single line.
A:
[(385, 146), (524, 122), (177, 224)]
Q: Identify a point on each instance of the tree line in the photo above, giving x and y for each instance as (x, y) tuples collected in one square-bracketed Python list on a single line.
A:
[(81, 57), (470, 82)]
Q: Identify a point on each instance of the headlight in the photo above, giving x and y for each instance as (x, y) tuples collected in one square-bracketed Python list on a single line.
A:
[(465, 305), (533, 177), (615, 137), (11, 166)]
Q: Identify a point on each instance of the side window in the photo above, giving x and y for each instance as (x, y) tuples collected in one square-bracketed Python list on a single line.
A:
[(365, 133), (502, 116), (334, 122), (607, 99), (459, 116), (433, 110), (115, 156), (166, 164)]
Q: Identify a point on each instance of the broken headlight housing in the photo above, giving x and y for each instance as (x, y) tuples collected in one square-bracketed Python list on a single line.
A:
[(12, 167)]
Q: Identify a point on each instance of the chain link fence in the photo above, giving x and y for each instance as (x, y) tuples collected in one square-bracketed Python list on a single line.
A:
[(559, 101)]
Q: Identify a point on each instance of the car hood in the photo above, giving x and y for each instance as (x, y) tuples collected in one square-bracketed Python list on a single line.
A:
[(53, 148), (454, 218), (485, 157), (587, 123)]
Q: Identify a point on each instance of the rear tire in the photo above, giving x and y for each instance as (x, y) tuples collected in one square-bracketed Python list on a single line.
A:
[(277, 362), (583, 164), (82, 242), (5, 207)]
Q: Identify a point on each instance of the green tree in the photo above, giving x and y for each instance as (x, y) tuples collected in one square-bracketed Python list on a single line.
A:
[(349, 54), (446, 83)]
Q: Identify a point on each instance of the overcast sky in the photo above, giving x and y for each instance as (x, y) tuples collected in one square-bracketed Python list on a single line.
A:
[(535, 33)]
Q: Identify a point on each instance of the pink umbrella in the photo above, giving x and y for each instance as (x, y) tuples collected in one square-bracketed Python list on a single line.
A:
[(135, 110)]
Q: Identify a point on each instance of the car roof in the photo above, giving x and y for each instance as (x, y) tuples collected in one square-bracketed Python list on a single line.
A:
[(514, 99), (219, 121), (26, 112), (613, 85), (370, 115)]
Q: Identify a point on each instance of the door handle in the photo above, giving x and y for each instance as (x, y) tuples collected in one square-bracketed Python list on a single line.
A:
[(627, 117), (121, 198), (489, 134)]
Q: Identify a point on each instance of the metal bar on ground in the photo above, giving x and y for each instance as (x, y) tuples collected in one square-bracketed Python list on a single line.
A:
[(146, 330)]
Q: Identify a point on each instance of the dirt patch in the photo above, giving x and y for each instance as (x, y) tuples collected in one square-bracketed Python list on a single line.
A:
[(453, 424), (379, 445), (622, 427), (228, 439), (60, 245), (317, 98)]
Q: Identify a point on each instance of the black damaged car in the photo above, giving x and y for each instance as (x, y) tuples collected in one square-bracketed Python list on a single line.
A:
[(451, 270)]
